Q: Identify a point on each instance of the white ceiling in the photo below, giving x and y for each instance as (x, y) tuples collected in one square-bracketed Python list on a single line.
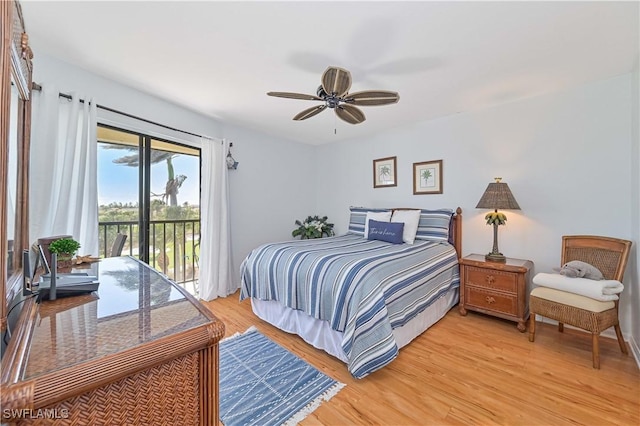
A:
[(220, 58)]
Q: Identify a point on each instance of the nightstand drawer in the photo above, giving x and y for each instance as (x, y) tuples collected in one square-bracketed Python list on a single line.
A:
[(491, 300), (486, 278)]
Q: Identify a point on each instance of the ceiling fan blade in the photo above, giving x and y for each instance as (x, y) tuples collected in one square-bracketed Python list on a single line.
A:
[(350, 114), (336, 80), (372, 98), (309, 112), (295, 96)]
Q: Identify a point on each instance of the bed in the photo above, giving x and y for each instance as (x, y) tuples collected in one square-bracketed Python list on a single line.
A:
[(358, 299)]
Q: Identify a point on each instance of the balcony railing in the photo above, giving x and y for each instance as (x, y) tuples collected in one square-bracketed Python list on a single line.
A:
[(174, 245)]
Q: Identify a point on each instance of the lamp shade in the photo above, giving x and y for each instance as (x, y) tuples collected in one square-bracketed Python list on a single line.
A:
[(498, 196)]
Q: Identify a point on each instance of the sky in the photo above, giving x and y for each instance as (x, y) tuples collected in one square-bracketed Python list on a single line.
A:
[(119, 183)]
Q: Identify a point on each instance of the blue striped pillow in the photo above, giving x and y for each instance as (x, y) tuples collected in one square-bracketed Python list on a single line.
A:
[(357, 218), (434, 225)]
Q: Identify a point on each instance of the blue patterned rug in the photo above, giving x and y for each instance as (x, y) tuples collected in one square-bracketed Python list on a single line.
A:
[(261, 383)]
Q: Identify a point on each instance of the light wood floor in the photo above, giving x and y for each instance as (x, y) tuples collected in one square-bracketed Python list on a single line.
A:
[(471, 370)]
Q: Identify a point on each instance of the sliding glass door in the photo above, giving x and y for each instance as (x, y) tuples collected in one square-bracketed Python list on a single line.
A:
[(149, 189)]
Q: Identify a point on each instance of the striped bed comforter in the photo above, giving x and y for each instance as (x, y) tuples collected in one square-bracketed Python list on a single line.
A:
[(363, 288)]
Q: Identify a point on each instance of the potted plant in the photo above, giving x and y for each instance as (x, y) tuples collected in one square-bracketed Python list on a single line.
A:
[(313, 227), (65, 248)]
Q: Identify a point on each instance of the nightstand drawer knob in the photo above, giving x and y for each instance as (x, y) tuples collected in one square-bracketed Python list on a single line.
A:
[(491, 279), (490, 299)]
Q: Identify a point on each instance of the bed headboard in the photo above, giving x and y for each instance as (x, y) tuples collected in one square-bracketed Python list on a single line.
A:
[(455, 229)]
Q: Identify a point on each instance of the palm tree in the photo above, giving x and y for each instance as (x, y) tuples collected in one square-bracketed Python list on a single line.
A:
[(173, 182), (170, 195), (426, 174), (385, 171)]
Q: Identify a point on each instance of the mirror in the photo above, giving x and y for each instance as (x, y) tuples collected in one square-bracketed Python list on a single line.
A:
[(12, 179), (15, 124)]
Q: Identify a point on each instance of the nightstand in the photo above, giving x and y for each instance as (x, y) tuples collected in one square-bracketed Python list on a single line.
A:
[(498, 289)]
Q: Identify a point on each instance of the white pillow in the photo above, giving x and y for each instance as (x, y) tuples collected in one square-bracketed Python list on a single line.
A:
[(410, 218), (379, 216)]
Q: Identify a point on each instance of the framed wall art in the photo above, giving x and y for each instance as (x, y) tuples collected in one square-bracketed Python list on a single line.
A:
[(427, 177), (384, 172)]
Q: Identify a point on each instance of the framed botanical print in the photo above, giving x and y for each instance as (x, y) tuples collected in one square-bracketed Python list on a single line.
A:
[(427, 177), (384, 172)]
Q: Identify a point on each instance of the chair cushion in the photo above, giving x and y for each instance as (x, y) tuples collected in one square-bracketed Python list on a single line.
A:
[(572, 299)]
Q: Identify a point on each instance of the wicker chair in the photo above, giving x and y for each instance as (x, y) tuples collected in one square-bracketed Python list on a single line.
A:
[(610, 256)]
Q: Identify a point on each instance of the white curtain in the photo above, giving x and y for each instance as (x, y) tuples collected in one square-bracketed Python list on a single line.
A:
[(215, 242), (63, 169)]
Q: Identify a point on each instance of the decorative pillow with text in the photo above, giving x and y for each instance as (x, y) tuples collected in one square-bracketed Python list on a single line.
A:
[(390, 232)]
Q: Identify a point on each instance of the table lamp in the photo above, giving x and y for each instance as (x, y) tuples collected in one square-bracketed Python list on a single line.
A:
[(497, 196)]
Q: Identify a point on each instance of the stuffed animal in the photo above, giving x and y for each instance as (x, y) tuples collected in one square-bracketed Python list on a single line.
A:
[(578, 269)]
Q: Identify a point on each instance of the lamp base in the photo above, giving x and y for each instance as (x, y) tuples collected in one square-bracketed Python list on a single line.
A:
[(495, 257)]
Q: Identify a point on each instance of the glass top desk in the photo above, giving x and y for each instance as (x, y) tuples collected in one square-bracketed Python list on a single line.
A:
[(140, 345)]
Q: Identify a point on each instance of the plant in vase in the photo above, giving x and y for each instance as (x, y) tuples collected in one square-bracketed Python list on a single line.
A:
[(65, 248), (313, 227)]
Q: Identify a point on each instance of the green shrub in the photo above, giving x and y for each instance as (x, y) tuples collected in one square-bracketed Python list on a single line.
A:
[(313, 227), (64, 246)]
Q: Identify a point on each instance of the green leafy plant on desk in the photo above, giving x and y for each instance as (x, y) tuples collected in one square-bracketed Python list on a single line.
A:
[(65, 248)]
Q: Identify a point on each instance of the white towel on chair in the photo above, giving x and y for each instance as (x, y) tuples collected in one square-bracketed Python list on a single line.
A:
[(603, 290)]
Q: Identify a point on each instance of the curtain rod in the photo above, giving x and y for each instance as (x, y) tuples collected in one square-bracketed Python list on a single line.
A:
[(36, 86)]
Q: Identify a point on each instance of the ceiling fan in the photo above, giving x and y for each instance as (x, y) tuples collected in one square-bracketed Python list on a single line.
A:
[(333, 91)]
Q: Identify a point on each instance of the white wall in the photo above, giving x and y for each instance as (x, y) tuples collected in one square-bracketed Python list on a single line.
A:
[(68, 78), (269, 190), (566, 157)]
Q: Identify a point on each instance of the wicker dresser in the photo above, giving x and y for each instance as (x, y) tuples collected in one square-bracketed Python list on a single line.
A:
[(139, 351), (493, 288)]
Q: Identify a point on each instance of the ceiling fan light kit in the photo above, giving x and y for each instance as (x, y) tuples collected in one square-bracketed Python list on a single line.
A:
[(334, 92)]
